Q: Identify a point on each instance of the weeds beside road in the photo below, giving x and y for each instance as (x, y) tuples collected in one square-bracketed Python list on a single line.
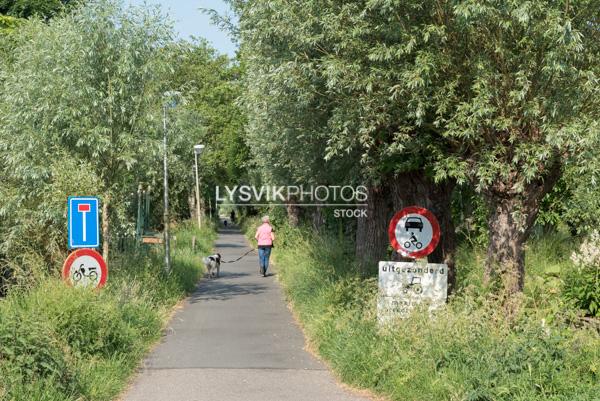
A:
[(468, 352), (61, 343)]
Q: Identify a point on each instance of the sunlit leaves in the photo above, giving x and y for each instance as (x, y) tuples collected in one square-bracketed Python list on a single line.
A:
[(78, 101)]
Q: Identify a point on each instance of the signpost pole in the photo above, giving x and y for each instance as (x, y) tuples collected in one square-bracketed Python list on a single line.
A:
[(138, 225), (197, 151), (146, 220), (198, 214), (166, 195)]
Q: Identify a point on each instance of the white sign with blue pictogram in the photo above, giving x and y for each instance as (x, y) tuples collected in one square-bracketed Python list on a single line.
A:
[(83, 222)]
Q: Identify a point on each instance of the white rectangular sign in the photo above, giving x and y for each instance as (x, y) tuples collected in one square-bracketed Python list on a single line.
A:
[(402, 285)]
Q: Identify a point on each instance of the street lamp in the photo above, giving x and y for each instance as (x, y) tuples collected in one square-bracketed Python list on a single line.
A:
[(169, 101), (197, 150)]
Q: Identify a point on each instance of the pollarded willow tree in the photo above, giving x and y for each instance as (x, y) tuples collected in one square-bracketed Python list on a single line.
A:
[(328, 74), (517, 97), (286, 100), (498, 94), (287, 127), (83, 88)]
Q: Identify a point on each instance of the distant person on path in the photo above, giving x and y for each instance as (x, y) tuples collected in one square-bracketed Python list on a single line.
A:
[(265, 237)]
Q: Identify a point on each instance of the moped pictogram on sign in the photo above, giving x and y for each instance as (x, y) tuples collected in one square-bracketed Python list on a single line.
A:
[(85, 268)]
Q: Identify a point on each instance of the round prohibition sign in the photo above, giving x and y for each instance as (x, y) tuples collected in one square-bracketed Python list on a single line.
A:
[(414, 232), (85, 268)]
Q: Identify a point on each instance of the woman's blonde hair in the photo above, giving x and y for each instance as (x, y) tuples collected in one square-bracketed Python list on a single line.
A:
[(265, 219)]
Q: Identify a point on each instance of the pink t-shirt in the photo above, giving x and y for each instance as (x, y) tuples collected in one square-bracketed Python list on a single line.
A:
[(264, 235)]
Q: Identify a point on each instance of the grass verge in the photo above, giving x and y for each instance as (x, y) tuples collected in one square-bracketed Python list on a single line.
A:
[(468, 352), (63, 343)]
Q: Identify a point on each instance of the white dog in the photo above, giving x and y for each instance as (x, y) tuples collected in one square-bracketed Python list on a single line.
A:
[(213, 264)]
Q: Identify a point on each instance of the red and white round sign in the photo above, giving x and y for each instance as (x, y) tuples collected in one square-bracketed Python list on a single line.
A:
[(85, 268), (414, 232)]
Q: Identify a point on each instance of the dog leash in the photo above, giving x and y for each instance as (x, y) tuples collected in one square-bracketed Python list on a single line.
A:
[(235, 260)]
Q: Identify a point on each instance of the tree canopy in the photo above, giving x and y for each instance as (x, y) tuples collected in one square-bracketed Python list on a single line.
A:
[(80, 98), (33, 8), (496, 95)]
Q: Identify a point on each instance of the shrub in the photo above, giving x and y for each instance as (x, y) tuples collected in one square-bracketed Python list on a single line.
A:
[(62, 343), (582, 285), (468, 352), (30, 350)]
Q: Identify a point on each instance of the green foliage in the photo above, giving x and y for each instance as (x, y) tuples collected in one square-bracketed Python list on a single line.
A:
[(575, 201), (337, 78), (61, 343), (36, 8), (210, 85), (548, 268), (291, 104), (83, 84), (524, 78), (582, 285), (80, 99), (28, 352), (8, 24), (470, 215), (522, 109), (499, 95), (36, 242), (81, 114), (467, 352)]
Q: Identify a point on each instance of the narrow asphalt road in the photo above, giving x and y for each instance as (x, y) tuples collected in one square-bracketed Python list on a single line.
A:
[(235, 339)]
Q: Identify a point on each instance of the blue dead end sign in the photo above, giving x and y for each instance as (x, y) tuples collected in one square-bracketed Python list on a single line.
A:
[(83, 222)]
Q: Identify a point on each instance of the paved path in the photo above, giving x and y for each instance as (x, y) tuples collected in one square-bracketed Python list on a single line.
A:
[(235, 339)]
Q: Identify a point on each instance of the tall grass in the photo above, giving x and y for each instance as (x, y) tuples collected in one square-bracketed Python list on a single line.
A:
[(468, 351), (63, 343)]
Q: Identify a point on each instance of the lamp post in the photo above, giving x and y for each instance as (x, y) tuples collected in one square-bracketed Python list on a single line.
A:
[(170, 101), (197, 150)]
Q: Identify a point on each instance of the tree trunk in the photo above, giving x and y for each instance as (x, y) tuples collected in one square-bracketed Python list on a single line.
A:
[(105, 227), (202, 211), (414, 188), (512, 216), (318, 218), (371, 231), (193, 206), (505, 261), (5, 276), (293, 211)]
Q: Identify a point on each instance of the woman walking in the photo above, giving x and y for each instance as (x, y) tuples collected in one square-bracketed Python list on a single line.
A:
[(265, 237)]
